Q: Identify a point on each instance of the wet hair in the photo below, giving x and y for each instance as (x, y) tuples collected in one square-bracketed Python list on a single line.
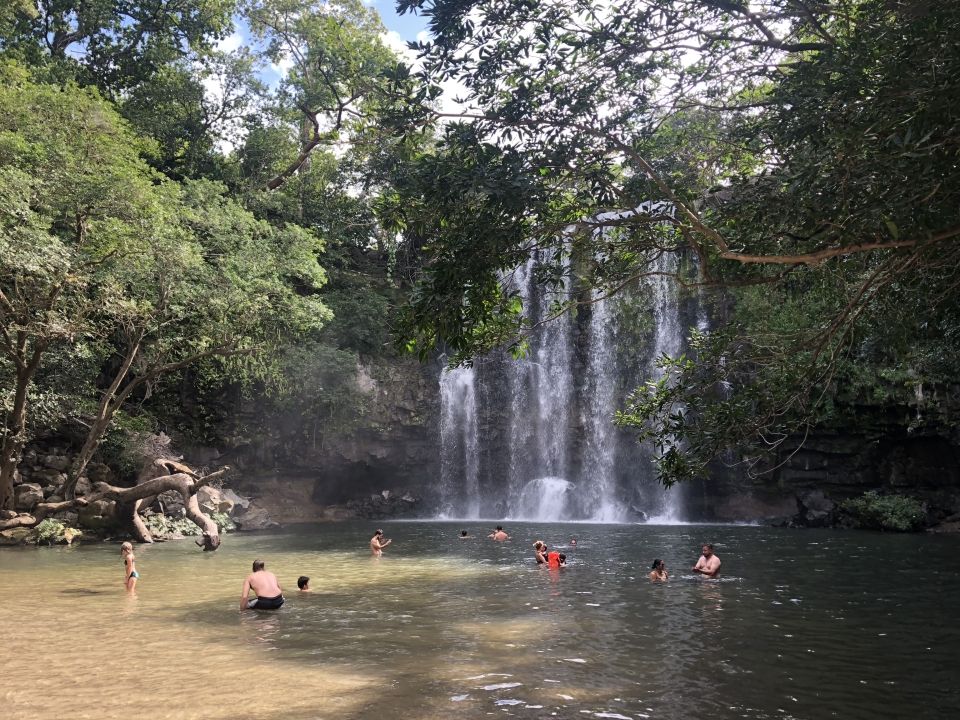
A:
[(378, 531), (126, 547), (499, 527), (656, 564), (463, 533), (302, 581), (563, 558), (708, 545), (258, 565), (538, 544)]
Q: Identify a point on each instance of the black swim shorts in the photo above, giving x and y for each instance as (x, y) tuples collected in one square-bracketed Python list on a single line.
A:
[(260, 603)]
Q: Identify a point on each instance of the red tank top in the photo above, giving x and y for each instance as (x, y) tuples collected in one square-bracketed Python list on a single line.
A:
[(553, 559)]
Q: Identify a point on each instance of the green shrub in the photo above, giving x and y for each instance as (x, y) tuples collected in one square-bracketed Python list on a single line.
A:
[(165, 525), (872, 511), (223, 522), (50, 531)]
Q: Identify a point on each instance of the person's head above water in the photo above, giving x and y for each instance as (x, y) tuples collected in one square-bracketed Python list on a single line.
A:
[(499, 528), (303, 582), (707, 550), (258, 565), (126, 548), (463, 533), (657, 564), (378, 532)]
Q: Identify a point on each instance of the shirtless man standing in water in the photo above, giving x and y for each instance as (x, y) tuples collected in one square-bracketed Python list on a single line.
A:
[(377, 543), (264, 584), (709, 564), (498, 534)]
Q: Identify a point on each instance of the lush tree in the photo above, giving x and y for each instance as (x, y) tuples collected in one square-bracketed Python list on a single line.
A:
[(809, 149), (97, 248), (114, 44), (337, 67)]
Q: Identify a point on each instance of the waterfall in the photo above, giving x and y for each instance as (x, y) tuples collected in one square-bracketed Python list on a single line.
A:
[(459, 444), (541, 387), (664, 503), (599, 453), (549, 448), (544, 499)]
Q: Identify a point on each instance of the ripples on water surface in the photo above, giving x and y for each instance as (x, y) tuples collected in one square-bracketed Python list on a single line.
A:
[(804, 624)]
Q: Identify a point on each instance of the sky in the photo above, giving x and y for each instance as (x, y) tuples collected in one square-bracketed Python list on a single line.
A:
[(406, 26)]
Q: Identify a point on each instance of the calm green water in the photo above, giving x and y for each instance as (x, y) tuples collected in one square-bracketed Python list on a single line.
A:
[(803, 624)]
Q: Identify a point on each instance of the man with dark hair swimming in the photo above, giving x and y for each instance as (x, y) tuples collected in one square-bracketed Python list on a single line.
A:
[(265, 586)]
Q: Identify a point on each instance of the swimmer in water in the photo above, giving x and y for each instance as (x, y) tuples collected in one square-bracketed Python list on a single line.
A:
[(659, 571), (377, 543), (130, 573), (498, 534), (303, 582), (709, 564), (464, 536), (266, 587), (556, 559), (540, 552)]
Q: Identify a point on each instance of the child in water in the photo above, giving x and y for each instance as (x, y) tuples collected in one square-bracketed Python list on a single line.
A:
[(130, 573)]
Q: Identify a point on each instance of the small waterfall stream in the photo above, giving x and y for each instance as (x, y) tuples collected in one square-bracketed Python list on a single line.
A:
[(459, 444), (549, 449)]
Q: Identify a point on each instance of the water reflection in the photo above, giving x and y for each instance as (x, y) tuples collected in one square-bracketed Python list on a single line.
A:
[(440, 628)]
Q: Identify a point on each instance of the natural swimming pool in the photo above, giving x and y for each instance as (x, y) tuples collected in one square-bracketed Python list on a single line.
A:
[(803, 624)]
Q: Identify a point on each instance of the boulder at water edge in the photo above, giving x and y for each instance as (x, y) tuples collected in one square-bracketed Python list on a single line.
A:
[(26, 496)]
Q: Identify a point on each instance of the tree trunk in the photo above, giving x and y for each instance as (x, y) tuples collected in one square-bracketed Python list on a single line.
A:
[(14, 437), (106, 409), (130, 514), (186, 483)]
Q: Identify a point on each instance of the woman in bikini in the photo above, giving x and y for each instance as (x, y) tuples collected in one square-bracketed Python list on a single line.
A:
[(130, 573)]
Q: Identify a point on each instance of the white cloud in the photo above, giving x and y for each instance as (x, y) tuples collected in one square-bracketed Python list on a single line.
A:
[(392, 39), (231, 42), (282, 67)]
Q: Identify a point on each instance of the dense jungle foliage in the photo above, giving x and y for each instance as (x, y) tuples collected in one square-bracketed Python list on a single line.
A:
[(177, 230), (804, 155), (185, 221)]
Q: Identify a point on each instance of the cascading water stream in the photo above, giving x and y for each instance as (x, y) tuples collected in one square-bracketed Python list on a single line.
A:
[(599, 456), (459, 444), (550, 449), (668, 340)]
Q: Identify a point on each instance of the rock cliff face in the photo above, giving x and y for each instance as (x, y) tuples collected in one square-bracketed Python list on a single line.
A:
[(806, 484), (303, 469), (384, 462)]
